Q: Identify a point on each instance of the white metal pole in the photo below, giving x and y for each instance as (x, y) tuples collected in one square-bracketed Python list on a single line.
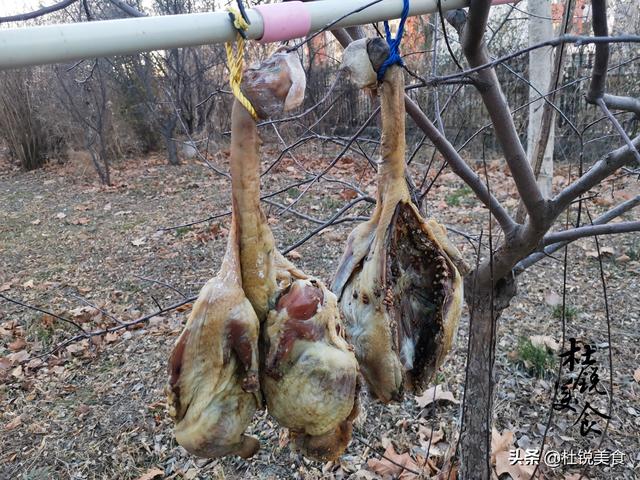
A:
[(20, 47)]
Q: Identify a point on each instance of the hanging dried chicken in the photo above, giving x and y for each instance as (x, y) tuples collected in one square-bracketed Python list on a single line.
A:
[(397, 284), (309, 374), (214, 385)]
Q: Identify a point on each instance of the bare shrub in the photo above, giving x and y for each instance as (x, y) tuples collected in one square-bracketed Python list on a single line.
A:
[(31, 133)]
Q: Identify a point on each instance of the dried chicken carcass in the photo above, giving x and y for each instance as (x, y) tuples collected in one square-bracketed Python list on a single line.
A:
[(214, 367), (309, 373), (397, 283)]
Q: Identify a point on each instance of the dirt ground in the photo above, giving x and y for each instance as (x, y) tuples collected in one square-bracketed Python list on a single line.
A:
[(96, 409)]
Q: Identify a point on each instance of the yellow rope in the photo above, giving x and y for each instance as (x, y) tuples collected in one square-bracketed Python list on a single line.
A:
[(235, 62)]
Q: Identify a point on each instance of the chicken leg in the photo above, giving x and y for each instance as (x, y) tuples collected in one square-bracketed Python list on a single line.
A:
[(397, 283)]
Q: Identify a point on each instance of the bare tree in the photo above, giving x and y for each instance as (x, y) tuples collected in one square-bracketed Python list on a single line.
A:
[(87, 101), (490, 287), (540, 29)]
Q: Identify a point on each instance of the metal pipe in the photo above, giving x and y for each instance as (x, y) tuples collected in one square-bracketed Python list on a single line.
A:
[(21, 47)]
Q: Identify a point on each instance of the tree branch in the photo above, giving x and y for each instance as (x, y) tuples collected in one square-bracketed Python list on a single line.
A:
[(578, 40), (128, 9), (21, 17), (475, 50), (121, 326), (614, 121), (600, 170), (448, 151), (590, 231), (627, 104), (600, 29), (605, 218), (459, 166), (536, 157), (46, 312)]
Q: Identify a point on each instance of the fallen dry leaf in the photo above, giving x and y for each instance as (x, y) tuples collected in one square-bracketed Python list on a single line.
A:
[(184, 308), (294, 255), (604, 252), (5, 364), (17, 344), (36, 222), (283, 438), (429, 434), (435, 394), (636, 375), (18, 357), (28, 284), (150, 474), (111, 337), (545, 341), (75, 348), (517, 471), (400, 466), (61, 215), (552, 299), (364, 475), (83, 313), (15, 423), (138, 241), (35, 363), (500, 443), (348, 194), (5, 286)]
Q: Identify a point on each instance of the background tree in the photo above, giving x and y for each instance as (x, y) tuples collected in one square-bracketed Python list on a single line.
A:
[(540, 70)]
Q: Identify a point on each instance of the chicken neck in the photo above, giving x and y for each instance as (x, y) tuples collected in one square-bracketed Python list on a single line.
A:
[(255, 238), (391, 183)]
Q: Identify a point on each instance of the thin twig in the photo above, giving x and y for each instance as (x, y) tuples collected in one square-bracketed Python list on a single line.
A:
[(46, 312), (158, 282)]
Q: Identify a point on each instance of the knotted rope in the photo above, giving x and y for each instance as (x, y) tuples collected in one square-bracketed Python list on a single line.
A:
[(394, 44), (235, 60)]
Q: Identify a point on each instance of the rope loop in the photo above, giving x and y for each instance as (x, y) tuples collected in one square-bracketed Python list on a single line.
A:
[(394, 57), (235, 59)]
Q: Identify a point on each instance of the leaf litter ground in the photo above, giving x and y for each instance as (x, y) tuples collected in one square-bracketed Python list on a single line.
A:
[(96, 409)]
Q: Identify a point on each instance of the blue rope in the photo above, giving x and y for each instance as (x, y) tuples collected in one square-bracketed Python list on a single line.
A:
[(394, 44)]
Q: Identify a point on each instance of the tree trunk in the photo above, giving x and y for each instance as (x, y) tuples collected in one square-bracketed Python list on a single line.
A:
[(485, 308), (167, 130), (540, 67)]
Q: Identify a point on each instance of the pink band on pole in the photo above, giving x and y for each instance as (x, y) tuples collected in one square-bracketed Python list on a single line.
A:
[(503, 2), (284, 21)]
